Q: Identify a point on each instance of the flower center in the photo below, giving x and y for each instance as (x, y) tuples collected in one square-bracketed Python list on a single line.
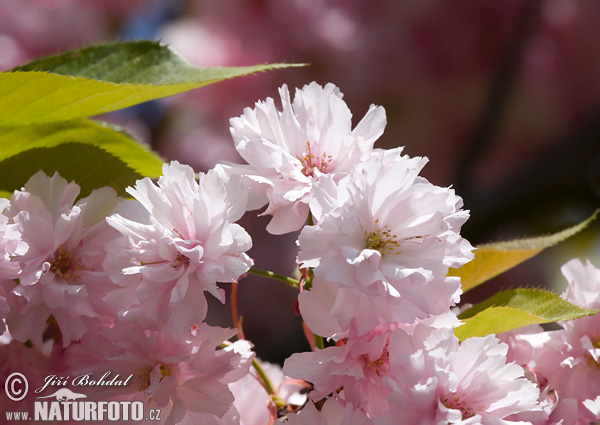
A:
[(382, 240), (377, 367), (180, 260), (63, 265), (590, 358), (454, 402), (144, 374), (310, 162)]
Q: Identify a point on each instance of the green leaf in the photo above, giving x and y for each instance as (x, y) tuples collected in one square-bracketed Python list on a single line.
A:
[(92, 154), (516, 308), (495, 258), (102, 78)]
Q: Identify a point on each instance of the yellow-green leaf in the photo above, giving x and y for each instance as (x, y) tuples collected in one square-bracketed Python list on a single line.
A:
[(495, 258), (92, 154), (102, 78), (516, 308)]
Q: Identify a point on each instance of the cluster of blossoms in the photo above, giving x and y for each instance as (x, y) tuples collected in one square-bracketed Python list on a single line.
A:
[(101, 284), (118, 285)]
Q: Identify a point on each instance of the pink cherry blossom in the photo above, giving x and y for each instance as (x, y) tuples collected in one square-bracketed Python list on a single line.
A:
[(384, 229), (252, 400), (32, 362), (5, 287), (570, 359), (288, 150), (420, 376), (333, 311), (61, 271), (435, 380), (525, 346), (583, 283), (333, 412), (593, 406), (358, 367), (10, 245), (185, 375), (179, 240)]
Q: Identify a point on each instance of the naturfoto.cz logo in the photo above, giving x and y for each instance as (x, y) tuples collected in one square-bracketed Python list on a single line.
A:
[(66, 405)]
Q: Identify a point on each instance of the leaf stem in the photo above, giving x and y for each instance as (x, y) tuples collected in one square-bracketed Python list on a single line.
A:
[(294, 283), (237, 319), (319, 343), (279, 403), (314, 340), (264, 378)]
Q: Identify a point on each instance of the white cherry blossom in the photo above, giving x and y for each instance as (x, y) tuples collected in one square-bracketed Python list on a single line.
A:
[(384, 229), (287, 151)]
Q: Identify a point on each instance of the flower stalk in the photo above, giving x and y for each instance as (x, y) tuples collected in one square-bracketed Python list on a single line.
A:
[(294, 283)]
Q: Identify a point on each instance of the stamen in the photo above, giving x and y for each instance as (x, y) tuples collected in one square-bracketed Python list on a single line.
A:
[(149, 263), (144, 374), (382, 240), (62, 265), (590, 360), (310, 162), (178, 232), (379, 366), (454, 402), (180, 260)]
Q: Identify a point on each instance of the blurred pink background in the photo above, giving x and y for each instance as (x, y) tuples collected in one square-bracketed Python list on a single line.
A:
[(503, 97)]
